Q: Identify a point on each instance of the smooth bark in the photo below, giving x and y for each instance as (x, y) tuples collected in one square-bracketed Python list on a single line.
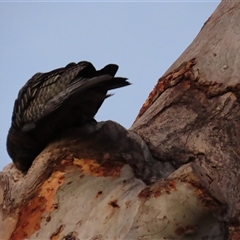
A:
[(173, 175), (193, 113)]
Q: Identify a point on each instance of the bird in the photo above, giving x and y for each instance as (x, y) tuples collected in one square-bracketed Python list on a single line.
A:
[(50, 102)]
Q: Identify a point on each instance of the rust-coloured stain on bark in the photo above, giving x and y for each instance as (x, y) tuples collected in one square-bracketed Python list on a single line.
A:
[(189, 229), (165, 82), (172, 185), (234, 232), (207, 200), (31, 212), (145, 193), (93, 168), (56, 234), (99, 194), (168, 186), (114, 204), (128, 204)]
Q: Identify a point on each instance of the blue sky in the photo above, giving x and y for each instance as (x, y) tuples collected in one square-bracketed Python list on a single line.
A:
[(143, 38)]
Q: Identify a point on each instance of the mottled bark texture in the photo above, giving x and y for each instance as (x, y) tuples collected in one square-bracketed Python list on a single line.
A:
[(193, 113), (92, 187), (101, 181)]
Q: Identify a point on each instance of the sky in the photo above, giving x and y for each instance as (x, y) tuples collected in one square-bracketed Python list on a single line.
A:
[(143, 38)]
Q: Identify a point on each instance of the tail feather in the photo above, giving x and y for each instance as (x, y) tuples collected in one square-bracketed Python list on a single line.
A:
[(110, 69), (114, 83)]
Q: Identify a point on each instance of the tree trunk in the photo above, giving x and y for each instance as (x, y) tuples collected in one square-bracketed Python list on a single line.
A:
[(193, 113), (102, 182)]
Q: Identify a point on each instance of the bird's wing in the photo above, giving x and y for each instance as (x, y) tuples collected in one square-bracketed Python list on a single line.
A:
[(34, 95), (80, 80), (102, 81), (100, 84), (44, 93)]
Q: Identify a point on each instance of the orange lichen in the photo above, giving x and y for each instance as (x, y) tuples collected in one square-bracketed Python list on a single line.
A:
[(43, 201), (165, 82), (30, 214), (50, 187), (91, 167)]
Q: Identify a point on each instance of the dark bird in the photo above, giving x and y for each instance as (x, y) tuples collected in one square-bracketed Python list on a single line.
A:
[(54, 101)]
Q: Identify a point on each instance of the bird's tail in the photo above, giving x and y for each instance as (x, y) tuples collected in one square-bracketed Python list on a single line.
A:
[(116, 82), (110, 69)]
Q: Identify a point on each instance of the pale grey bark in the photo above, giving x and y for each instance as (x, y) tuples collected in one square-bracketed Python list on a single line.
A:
[(194, 113), (92, 187), (102, 182)]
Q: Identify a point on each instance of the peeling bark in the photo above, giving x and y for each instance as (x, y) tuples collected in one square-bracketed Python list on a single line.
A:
[(193, 113), (173, 175), (85, 189)]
